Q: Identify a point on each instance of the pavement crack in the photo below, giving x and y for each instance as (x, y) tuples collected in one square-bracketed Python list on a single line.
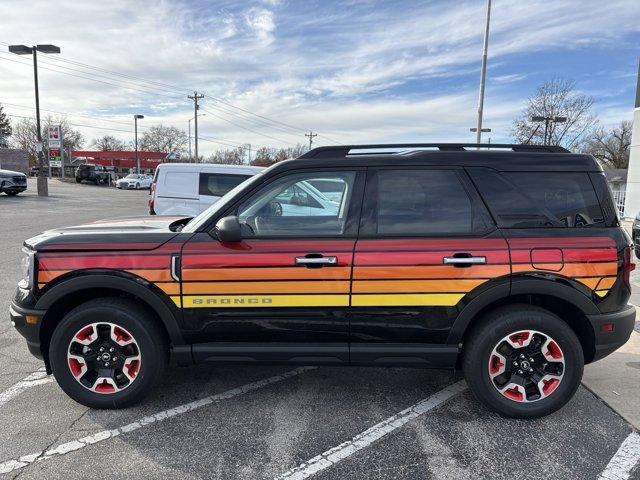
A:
[(52, 443)]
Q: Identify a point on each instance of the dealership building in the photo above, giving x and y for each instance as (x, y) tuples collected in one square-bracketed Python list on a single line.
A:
[(121, 162)]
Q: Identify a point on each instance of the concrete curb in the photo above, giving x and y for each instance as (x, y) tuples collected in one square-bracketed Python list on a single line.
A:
[(616, 380)]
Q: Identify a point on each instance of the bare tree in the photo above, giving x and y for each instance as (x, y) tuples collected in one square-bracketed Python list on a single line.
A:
[(235, 156), (109, 143), (611, 147), (25, 135), (5, 129), (159, 138), (264, 157), (555, 98)]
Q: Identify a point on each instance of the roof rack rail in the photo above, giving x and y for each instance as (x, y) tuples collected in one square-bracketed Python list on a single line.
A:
[(395, 148)]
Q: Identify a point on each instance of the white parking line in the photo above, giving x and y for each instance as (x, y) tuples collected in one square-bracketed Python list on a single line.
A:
[(63, 449), (39, 377), (627, 457), (366, 438)]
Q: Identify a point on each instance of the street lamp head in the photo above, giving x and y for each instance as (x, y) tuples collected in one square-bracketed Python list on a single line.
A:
[(48, 48), (138, 116), (20, 49), (538, 118), (560, 119)]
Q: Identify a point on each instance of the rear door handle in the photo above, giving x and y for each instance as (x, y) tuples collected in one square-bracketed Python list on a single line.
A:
[(464, 260), (316, 261)]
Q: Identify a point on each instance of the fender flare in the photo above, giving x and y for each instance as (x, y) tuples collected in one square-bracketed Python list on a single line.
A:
[(519, 286), (125, 283)]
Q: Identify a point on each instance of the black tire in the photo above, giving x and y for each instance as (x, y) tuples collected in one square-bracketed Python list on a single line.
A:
[(137, 186), (496, 325), (78, 180), (153, 350), (12, 194)]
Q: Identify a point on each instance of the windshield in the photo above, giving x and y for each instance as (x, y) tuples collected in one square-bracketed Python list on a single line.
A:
[(131, 175), (196, 222)]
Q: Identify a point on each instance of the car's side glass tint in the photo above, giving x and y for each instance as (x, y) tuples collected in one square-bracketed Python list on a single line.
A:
[(539, 200), (217, 184), (299, 205), (422, 202)]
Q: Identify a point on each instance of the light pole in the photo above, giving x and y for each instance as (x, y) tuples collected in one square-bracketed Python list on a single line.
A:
[(547, 121), (199, 115), (43, 186), (483, 74), (135, 122)]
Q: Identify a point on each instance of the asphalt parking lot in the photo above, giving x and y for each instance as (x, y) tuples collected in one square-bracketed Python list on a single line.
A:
[(269, 422)]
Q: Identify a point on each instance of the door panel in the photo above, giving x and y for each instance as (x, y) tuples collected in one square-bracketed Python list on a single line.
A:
[(410, 294), (253, 291)]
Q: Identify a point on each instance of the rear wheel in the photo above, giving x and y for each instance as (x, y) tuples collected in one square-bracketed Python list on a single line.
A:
[(108, 353), (523, 361), (11, 194)]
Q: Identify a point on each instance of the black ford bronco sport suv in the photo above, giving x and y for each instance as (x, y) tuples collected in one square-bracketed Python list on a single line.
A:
[(508, 262)]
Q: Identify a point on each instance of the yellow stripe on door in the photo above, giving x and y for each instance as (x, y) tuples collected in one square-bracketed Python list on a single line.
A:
[(262, 301), (405, 300)]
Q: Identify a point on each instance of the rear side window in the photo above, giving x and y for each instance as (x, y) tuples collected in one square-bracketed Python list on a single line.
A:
[(217, 184), (422, 203), (539, 199)]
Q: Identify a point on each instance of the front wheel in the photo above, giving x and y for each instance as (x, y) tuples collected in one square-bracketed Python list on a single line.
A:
[(523, 361), (108, 353)]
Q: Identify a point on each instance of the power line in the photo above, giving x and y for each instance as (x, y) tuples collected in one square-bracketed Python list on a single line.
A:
[(246, 128), (153, 88)]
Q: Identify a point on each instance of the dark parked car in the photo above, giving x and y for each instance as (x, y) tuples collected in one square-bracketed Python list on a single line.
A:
[(12, 183), (92, 173), (507, 262)]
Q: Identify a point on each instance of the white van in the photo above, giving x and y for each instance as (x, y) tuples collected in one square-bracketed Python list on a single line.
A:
[(189, 188)]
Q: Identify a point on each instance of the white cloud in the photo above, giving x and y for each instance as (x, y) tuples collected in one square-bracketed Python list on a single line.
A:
[(262, 22)]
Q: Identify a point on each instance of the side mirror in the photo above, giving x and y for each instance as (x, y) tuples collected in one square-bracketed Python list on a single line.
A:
[(228, 229)]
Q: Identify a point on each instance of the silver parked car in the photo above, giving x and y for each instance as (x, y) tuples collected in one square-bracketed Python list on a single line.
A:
[(12, 183)]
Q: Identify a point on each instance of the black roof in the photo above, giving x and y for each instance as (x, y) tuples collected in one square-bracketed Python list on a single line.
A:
[(501, 157)]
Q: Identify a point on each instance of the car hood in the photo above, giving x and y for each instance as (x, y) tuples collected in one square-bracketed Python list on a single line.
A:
[(128, 233), (11, 172)]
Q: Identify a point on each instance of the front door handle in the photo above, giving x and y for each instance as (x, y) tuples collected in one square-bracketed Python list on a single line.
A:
[(316, 261), (464, 260)]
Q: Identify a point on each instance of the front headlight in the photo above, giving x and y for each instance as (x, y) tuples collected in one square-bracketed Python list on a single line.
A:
[(28, 268)]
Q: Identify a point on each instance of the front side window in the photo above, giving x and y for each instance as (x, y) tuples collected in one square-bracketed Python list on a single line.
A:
[(422, 202), (217, 184), (293, 206)]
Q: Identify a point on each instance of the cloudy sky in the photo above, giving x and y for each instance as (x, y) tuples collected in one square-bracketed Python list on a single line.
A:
[(354, 71)]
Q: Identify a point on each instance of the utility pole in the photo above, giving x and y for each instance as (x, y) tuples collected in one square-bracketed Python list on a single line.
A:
[(195, 97), (483, 74), (311, 135)]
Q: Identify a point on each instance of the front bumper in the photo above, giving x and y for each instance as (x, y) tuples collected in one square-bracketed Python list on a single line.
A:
[(27, 322), (13, 188), (622, 324)]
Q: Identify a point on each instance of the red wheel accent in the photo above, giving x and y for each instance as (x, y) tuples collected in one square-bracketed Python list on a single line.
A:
[(495, 365), (104, 387), (514, 394), (132, 368), (85, 334), (554, 350), (75, 366), (548, 386), (520, 338), (121, 335)]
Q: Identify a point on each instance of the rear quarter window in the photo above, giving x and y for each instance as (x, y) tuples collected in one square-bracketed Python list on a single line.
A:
[(218, 184), (539, 199)]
